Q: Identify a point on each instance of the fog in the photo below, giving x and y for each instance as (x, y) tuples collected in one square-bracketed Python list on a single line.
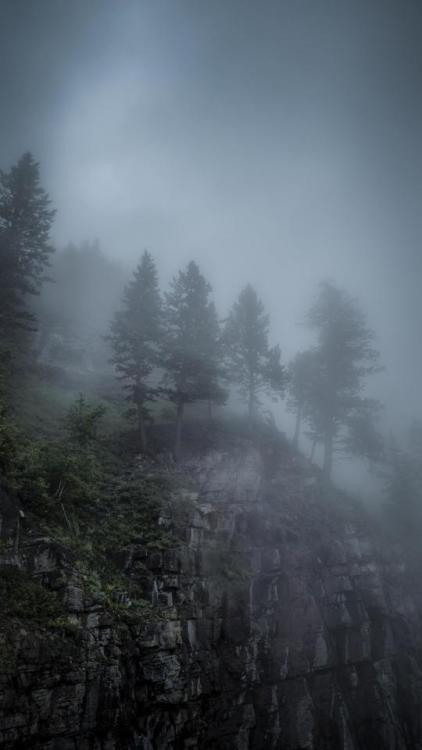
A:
[(275, 143)]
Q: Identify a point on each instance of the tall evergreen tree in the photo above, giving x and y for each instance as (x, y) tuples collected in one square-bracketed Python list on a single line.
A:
[(25, 249), (344, 357), (192, 333), (301, 375), (252, 364), (135, 336), (214, 393)]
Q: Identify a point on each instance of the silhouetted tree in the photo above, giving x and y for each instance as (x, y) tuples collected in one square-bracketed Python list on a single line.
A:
[(136, 334), (344, 357), (25, 249), (252, 364), (214, 393), (191, 357), (301, 374)]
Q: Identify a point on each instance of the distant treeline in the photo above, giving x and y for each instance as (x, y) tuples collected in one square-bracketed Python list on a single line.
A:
[(174, 345)]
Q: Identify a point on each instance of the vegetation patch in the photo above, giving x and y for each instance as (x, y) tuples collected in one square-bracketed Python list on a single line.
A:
[(25, 599)]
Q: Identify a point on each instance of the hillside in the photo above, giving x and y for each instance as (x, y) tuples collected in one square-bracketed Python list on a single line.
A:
[(225, 602)]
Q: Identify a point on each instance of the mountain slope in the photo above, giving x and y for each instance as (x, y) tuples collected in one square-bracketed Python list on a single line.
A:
[(272, 616)]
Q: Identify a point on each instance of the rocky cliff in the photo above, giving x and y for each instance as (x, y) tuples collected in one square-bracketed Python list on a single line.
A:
[(275, 619)]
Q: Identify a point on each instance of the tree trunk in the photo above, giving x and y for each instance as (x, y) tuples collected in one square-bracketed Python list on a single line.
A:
[(141, 429), (328, 452), (179, 425), (313, 449), (297, 426)]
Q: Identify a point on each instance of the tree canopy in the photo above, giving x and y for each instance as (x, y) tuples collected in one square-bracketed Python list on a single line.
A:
[(252, 365), (301, 374), (191, 358), (25, 248), (343, 358), (136, 333)]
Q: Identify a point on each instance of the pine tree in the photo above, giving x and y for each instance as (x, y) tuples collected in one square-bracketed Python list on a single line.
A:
[(252, 364), (192, 334), (301, 376), (136, 333), (25, 249), (213, 392), (344, 357)]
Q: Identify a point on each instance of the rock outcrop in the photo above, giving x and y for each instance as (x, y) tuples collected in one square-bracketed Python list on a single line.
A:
[(277, 620)]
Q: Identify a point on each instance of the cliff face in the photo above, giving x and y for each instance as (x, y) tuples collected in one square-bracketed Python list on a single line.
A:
[(276, 621)]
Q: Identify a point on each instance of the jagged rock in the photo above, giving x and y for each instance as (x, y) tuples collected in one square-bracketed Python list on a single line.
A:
[(276, 621)]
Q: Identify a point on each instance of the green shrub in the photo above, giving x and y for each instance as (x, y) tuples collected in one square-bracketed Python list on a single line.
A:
[(24, 598)]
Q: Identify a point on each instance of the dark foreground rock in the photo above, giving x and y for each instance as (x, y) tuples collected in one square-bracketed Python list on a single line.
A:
[(277, 621)]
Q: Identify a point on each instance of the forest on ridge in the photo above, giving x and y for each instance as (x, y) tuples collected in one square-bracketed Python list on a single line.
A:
[(169, 350)]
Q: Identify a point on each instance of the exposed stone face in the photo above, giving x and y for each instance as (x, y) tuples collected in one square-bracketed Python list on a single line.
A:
[(280, 624)]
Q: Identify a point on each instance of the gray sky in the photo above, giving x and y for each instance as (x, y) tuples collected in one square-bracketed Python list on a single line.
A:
[(277, 142)]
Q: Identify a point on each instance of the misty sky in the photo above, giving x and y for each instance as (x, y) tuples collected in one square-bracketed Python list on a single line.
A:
[(274, 142)]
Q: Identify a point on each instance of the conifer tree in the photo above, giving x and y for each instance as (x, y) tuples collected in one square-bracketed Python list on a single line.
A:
[(191, 349), (213, 391), (301, 376), (25, 249), (136, 337), (344, 356), (252, 364)]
